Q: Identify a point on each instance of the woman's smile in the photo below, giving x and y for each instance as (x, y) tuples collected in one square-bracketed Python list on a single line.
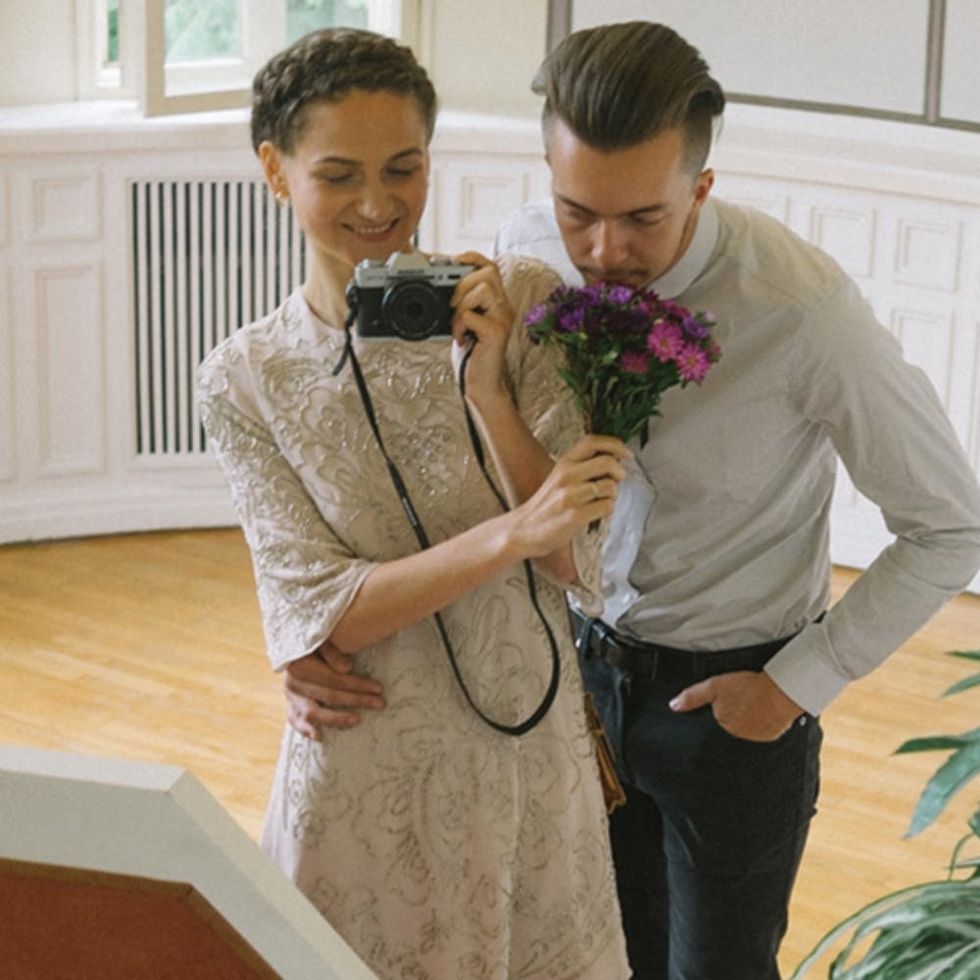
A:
[(374, 233)]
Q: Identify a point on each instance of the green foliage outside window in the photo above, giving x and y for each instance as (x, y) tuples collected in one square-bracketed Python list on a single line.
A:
[(112, 26), (198, 30), (303, 16)]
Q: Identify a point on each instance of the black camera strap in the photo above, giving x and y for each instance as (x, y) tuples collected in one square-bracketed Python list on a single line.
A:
[(423, 539)]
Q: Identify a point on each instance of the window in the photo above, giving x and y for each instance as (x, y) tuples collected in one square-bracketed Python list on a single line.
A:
[(832, 56), (188, 55)]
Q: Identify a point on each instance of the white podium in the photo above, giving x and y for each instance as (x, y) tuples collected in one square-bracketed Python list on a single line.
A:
[(115, 870)]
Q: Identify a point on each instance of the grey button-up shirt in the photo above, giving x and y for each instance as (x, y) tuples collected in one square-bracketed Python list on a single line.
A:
[(722, 539)]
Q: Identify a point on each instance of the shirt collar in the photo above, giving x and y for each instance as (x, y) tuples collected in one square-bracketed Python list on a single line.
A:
[(692, 263)]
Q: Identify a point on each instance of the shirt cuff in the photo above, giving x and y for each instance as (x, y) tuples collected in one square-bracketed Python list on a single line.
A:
[(806, 670)]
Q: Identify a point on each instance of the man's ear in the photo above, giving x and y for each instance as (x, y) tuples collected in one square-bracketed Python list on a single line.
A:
[(703, 185), (271, 160)]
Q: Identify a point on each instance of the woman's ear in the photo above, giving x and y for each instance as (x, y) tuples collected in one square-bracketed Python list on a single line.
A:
[(275, 176)]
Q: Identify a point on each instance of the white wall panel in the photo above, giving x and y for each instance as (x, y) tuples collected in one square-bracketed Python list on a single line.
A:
[(927, 252), (848, 234), (8, 461), (62, 207), (927, 341), (70, 380), (973, 400), (4, 210), (476, 195)]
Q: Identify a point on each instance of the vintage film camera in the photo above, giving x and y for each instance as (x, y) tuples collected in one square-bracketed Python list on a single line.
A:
[(407, 296)]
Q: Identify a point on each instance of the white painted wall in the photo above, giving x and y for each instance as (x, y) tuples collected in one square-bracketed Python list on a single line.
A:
[(37, 38), (482, 56)]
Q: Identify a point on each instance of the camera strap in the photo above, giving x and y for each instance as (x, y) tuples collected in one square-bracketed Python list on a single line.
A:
[(423, 539)]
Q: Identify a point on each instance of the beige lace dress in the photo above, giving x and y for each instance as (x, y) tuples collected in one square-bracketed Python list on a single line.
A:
[(437, 847)]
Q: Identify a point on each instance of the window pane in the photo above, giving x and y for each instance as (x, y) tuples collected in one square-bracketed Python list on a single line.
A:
[(200, 30), (870, 54), (959, 90), (303, 16), (112, 32)]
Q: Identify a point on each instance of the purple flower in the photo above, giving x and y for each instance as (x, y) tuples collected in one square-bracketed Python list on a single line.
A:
[(665, 340), (570, 319), (634, 362), (694, 329), (620, 294), (536, 314), (692, 363)]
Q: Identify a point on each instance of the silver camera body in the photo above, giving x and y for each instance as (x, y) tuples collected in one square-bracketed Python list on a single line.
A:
[(406, 296)]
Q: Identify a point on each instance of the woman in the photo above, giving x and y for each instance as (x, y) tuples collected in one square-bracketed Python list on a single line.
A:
[(438, 847)]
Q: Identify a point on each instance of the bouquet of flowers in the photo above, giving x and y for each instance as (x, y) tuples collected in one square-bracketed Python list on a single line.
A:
[(624, 348)]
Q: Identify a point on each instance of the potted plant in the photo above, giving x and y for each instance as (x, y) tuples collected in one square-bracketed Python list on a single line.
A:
[(929, 931)]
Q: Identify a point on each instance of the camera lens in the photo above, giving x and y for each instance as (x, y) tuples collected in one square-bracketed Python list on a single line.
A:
[(412, 309)]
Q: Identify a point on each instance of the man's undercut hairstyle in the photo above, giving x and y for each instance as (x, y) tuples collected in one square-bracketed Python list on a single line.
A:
[(619, 84), (325, 66)]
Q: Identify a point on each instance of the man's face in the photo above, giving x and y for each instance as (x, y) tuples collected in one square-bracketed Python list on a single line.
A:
[(625, 215)]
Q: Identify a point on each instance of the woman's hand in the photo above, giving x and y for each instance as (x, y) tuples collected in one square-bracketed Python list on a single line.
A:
[(581, 488), (484, 317)]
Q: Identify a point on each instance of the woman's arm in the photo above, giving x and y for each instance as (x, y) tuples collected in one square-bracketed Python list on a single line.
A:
[(485, 319), (579, 489)]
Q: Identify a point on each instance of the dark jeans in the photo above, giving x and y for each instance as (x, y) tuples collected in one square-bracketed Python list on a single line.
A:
[(708, 844)]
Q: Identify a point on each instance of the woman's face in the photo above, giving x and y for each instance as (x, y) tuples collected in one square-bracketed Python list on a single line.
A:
[(357, 176)]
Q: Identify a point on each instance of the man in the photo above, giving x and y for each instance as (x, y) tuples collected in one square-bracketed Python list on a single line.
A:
[(717, 653)]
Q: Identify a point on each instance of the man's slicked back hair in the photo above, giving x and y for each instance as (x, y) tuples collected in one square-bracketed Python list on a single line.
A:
[(619, 84)]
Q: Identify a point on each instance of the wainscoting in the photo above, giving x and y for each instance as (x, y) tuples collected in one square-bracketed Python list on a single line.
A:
[(129, 247)]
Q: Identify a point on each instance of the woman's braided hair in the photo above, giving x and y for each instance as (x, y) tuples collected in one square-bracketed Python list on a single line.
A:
[(324, 66)]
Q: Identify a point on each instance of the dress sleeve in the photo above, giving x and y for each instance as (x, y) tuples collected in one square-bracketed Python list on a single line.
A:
[(548, 406), (305, 577), (889, 428)]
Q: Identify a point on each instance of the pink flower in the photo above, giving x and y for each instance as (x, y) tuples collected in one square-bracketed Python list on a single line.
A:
[(634, 362), (665, 340), (692, 363)]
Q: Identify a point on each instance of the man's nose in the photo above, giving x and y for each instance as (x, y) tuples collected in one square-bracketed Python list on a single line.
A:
[(608, 246)]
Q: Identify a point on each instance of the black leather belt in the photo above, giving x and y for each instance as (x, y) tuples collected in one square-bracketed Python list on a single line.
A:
[(639, 660)]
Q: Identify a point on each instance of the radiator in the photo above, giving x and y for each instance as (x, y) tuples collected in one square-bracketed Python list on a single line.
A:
[(207, 257)]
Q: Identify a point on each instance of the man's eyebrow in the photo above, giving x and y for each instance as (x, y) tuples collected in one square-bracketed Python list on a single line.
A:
[(635, 213)]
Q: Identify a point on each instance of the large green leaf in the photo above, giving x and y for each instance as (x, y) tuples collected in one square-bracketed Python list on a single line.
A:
[(966, 654), (946, 781), (972, 681), (929, 742), (964, 685), (921, 931)]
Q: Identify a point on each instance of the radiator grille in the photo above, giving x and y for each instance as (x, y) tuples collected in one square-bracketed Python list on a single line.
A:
[(208, 256)]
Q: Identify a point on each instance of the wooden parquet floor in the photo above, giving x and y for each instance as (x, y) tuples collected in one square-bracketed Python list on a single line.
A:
[(149, 647)]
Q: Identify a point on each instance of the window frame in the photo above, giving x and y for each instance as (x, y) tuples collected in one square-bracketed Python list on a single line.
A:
[(561, 22), (217, 84)]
